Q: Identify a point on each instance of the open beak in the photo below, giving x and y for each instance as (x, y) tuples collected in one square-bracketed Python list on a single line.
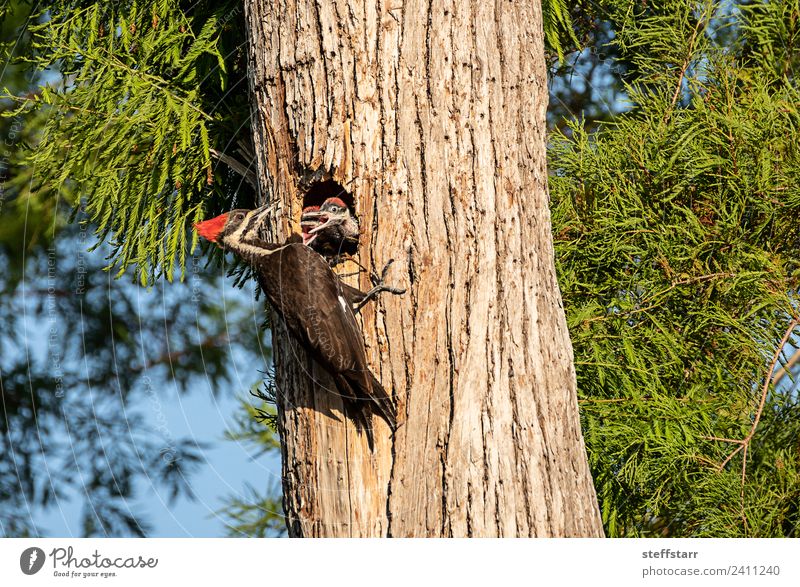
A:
[(313, 218), (324, 222), (308, 228), (309, 223)]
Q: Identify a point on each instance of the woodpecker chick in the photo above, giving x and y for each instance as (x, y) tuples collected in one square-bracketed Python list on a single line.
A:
[(307, 224), (331, 228), (303, 289)]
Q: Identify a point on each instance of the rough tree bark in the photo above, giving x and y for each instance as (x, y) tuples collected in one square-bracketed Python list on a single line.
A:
[(432, 115)]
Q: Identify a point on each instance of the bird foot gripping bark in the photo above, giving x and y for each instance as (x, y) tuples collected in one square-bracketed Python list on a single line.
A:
[(379, 286)]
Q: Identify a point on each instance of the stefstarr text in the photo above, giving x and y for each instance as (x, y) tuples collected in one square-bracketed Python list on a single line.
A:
[(669, 553)]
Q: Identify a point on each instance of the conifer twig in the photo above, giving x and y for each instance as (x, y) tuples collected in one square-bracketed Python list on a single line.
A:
[(744, 443), (246, 172), (685, 67)]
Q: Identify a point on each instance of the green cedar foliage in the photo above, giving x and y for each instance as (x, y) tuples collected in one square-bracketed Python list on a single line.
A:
[(678, 252), (133, 107), (559, 30), (87, 363)]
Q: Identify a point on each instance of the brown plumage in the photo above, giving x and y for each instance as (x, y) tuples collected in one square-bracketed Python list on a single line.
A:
[(317, 310)]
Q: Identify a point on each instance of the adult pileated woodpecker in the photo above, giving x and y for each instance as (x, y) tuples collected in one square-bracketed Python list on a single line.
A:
[(303, 289)]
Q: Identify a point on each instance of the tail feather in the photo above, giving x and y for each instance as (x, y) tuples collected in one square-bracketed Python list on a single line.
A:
[(365, 402), (363, 421), (384, 404)]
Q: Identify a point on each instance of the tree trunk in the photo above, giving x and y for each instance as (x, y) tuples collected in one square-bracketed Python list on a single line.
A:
[(432, 115)]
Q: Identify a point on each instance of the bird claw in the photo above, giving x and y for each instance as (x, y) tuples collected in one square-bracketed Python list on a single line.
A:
[(378, 280), (393, 290), (379, 286)]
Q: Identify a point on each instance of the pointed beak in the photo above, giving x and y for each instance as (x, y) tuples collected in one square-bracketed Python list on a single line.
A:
[(309, 220), (210, 229), (312, 215), (262, 211), (321, 220)]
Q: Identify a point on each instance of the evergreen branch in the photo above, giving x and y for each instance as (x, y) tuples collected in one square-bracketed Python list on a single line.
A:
[(744, 443), (33, 98), (690, 281), (245, 171), (675, 284), (677, 255), (622, 400), (687, 61), (154, 81)]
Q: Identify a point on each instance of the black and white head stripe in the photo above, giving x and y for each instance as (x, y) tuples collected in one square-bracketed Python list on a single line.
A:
[(248, 231)]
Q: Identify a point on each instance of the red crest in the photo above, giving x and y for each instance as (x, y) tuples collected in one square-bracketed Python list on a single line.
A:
[(210, 229)]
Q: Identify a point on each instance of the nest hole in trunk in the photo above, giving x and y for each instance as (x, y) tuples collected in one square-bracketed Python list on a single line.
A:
[(319, 191)]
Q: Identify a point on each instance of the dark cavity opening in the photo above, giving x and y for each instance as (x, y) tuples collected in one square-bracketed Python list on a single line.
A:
[(322, 190)]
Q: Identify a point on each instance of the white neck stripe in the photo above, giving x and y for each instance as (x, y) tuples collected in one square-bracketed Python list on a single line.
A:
[(236, 240)]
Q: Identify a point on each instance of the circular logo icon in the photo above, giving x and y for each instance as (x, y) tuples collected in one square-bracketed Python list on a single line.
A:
[(31, 560)]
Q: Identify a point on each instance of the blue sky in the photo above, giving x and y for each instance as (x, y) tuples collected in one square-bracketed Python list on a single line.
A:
[(203, 415), (230, 465)]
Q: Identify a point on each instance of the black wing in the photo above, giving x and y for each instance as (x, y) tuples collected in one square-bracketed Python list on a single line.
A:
[(327, 326)]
